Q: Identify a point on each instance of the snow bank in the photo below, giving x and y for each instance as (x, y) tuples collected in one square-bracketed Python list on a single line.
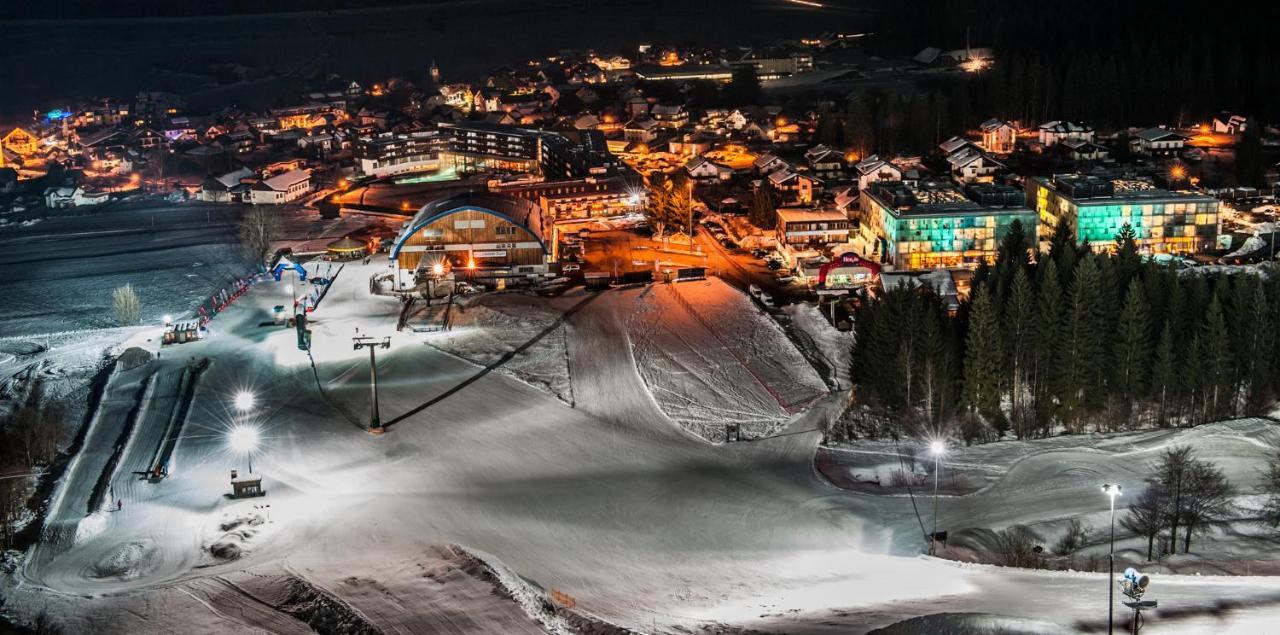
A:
[(971, 624), (835, 346)]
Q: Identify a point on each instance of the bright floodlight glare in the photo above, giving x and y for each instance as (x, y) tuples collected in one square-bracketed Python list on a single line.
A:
[(243, 439), (437, 268), (168, 319), (244, 401), (1111, 490), (937, 448)]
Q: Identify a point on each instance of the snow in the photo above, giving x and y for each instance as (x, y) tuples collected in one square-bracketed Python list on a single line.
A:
[(606, 498)]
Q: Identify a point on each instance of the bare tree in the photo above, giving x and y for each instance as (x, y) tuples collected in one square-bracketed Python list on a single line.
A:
[(13, 497), (127, 306), (38, 433), (1207, 500), (1016, 547), (1271, 489), (1077, 535), (1174, 471), (258, 230), (1147, 516)]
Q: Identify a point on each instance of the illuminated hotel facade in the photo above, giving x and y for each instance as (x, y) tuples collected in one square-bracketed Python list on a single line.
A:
[(935, 224), (1098, 208)]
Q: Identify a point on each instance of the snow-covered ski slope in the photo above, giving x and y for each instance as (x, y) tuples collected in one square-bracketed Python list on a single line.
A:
[(611, 503)]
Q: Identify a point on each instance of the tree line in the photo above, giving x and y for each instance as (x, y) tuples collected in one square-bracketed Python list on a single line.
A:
[(1068, 340)]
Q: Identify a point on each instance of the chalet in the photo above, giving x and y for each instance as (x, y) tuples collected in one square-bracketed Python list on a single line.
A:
[(280, 189), (145, 140), (1082, 150), (640, 130), (826, 163), (228, 188), (767, 163), (954, 145), (874, 169), (794, 187), (704, 171), (998, 136), (1055, 132), (669, 116), (973, 166), (20, 142), (72, 196), (1157, 142)]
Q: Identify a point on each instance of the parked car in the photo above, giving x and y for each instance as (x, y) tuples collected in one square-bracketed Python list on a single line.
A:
[(773, 265)]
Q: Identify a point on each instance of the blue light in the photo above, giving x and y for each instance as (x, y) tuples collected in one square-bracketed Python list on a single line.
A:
[(57, 114)]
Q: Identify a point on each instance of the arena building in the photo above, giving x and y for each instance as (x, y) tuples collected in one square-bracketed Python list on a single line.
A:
[(483, 237)]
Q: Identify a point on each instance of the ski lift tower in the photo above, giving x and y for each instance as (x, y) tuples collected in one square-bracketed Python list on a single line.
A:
[(365, 341)]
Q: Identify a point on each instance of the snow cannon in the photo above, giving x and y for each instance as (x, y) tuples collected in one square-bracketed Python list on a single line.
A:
[(1134, 584), (284, 264)]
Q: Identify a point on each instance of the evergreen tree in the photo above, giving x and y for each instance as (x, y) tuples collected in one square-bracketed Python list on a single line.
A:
[(984, 357), (1045, 372), (1131, 349), (764, 211), (1217, 360), (1080, 348), (1020, 319), (1164, 374)]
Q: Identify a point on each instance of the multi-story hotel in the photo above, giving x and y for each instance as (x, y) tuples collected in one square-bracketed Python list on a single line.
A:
[(1098, 208), (389, 153), (935, 224)]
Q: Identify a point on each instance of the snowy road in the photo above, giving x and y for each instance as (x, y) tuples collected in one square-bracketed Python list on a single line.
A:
[(609, 503)]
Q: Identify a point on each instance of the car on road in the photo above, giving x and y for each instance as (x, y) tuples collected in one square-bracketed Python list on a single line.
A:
[(728, 243), (759, 253), (773, 265)]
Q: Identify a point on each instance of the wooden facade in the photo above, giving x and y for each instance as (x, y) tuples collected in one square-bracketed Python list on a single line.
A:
[(486, 236)]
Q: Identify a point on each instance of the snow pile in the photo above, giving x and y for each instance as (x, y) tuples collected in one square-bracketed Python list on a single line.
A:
[(237, 532), (1250, 245), (835, 346), (128, 561), (971, 624)]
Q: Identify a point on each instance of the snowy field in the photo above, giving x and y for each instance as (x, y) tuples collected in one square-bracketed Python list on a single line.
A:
[(488, 495), (57, 275)]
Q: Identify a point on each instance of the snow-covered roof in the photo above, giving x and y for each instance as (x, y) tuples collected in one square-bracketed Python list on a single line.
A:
[(282, 182)]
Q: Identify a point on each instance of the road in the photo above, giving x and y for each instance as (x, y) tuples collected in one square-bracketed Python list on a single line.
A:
[(742, 269)]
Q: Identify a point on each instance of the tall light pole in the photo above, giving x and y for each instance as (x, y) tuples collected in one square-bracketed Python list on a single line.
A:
[(1112, 491), (243, 438), (365, 341), (937, 449)]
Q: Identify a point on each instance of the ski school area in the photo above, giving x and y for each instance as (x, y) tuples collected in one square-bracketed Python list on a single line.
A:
[(544, 464)]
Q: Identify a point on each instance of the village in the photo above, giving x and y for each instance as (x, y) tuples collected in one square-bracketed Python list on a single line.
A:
[(786, 336)]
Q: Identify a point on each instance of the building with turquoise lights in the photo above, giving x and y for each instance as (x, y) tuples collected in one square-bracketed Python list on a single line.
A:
[(932, 224), (1098, 208)]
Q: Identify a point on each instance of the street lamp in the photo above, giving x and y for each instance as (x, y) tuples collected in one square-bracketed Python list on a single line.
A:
[(244, 401), (168, 319), (937, 449), (1112, 491), (243, 439)]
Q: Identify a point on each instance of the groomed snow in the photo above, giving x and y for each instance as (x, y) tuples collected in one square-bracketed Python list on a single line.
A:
[(608, 503)]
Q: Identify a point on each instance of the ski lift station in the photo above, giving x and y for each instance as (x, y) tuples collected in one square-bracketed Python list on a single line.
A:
[(487, 238)]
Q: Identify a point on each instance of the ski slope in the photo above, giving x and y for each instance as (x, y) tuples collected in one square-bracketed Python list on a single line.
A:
[(609, 502)]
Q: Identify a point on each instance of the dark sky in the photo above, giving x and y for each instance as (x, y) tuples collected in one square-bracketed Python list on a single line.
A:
[(45, 61)]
